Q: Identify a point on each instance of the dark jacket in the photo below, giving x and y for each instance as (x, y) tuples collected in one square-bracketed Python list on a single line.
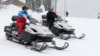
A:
[(51, 18)]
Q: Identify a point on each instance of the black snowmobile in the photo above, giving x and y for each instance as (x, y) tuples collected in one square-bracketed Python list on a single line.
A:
[(62, 29), (32, 34)]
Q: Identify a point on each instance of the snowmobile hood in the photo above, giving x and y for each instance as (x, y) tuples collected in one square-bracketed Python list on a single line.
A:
[(64, 25), (39, 29)]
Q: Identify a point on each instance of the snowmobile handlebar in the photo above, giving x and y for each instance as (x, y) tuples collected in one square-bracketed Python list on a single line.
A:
[(61, 21)]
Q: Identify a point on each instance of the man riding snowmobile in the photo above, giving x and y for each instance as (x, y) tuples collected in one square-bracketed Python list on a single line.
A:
[(59, 26), (33, 33), (21, 19), (51, 15)]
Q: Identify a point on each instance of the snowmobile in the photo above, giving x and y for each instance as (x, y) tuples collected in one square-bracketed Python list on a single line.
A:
[(62, 28), (34, 36)]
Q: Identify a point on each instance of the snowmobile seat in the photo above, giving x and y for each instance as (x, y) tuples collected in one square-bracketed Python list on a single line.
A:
[(33, 37), (14, 25), (14, 18), (44, 19), (7, 29)]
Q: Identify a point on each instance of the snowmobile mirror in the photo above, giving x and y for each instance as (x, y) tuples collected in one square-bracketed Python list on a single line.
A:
[(67, 13), (44, 17)]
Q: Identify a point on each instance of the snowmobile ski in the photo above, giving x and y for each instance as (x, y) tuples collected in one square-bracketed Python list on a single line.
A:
[(66, 45), (43, 47)]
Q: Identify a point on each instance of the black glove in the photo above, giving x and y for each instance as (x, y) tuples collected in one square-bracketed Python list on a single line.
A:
[(29, 17)]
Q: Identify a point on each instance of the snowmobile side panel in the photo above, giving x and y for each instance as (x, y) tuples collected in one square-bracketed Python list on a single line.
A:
[(56, 30), (27, 37), (68, 32), (45, 39)]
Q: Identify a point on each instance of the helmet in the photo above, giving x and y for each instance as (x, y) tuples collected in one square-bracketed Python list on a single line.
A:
[(50, 9), (24, 7)]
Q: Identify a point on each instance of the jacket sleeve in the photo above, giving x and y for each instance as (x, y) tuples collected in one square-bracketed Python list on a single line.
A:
[(53, 15)]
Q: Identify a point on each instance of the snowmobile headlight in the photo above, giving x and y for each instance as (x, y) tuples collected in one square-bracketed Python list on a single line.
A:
[(42, 35), (64, 21), (39, 24)]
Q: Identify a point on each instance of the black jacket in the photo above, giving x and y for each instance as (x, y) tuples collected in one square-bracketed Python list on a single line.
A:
[(51, 18)]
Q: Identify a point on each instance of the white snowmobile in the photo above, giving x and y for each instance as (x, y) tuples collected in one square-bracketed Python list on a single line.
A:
[(32, 34), (62, 28)]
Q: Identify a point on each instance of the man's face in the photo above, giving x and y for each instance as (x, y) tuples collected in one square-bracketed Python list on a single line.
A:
[(26, 9)]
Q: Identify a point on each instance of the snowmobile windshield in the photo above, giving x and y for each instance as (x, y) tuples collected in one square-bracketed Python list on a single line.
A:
[(60, 7), (33, 21), (60, 19)]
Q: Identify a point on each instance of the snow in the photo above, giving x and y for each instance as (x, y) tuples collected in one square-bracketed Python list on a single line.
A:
[(42, 8), (89, 46)]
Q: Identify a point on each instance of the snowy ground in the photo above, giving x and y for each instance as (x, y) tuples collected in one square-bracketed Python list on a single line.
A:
[(89, 46)]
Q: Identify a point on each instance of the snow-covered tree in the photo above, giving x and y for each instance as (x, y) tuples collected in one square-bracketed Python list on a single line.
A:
[(35, 4), (1, 3)]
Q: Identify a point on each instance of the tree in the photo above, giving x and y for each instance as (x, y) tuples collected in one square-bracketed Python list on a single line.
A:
[(35, 4), (1, 3)]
